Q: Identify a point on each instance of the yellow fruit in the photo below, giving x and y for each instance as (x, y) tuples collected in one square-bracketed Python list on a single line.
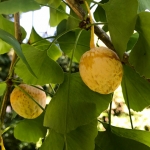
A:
[(24, 105), (101, 70)]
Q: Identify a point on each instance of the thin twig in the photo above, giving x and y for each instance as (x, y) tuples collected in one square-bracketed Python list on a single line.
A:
[(9, 83)]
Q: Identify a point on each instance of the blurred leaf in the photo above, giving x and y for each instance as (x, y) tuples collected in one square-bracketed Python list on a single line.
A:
[(8, 38), (135, 89), (13, 6), (42, 44), (99, 14), (140, 54), (9, 27), (121, 18), (143, 5), (113, 140), (46, 69), (132, 41), (30, 130), (54, 3), (80, 139), (76, 103), (56, 16), (2, 88), (72, 22), (50, 2)]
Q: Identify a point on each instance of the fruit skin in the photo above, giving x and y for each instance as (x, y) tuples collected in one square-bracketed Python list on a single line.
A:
[(101, 70), (24, 105)]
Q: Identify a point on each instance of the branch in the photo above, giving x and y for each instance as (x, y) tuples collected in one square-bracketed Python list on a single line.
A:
[(76, 7), (9, 82)]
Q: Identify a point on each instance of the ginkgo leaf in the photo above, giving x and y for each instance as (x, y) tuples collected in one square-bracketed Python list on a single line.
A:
[(118, 139), (140, 54), (30, 130), (135, 89), (13, 6), (46, 69), (122, 27), (74, 105), (83, 138)]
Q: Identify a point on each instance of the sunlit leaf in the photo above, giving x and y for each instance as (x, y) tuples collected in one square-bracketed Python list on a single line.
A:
[(42, 44), (2, 88), (13, 6), (56, 16), (118, 139), (30, 130), (135, 89), (121, 18), (74, 105), (140, 55), (8, 38), (46, 69), (9, 27), (143, 5), (83, 138)]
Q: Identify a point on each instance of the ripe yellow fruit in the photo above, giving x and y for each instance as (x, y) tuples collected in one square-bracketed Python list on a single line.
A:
[(101, 70), (24, 105)]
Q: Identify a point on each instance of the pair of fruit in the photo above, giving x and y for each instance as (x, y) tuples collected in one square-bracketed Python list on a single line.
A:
[(100, 69)]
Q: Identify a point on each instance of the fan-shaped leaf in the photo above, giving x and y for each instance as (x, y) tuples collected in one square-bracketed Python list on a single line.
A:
[(13, 6), (46, 69), (74, 105), (135, 89), (121, 18), (140, 54)]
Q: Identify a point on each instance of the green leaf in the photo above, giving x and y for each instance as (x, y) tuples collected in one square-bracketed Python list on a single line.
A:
[(137, 135), (13, 6), (121, 18), (50, 2), (135, 89), (30, 130), (132, 41), (2, 88), (83, 44), (42, 44), (83, 138), (9, 27), (111, 140), (140, 54), (71, 21), (80, 139), (143, 5), (8, 38), (54, 141), (46, 69), (76, 103), (67, 41), (56, 16), (99, 14)]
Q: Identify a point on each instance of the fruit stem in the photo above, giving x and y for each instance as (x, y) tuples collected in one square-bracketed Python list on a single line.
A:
[(92, 43), (21, 89)]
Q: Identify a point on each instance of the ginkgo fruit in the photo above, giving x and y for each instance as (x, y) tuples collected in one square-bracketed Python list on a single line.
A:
[(101, 70), (23, 104)]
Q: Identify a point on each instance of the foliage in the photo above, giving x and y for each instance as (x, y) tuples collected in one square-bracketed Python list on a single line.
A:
[(69, 121)]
